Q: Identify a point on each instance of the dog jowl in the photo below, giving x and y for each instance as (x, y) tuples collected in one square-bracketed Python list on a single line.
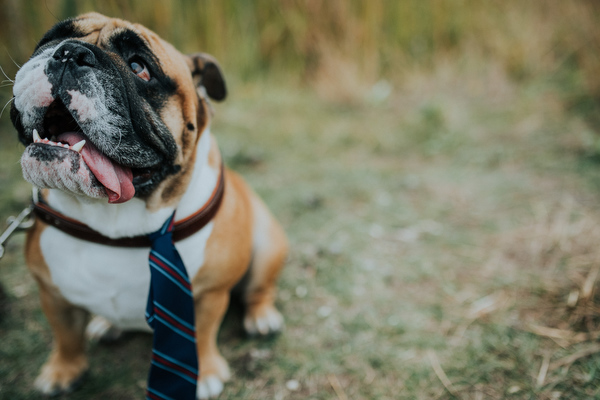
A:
[(116, 127)]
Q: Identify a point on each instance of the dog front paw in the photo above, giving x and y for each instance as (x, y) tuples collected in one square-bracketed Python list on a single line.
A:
[(263, 320), (214, 371), (209, 386), (60, 376)]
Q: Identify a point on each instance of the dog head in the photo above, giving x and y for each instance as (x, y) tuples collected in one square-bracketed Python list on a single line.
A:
[(107, 109)]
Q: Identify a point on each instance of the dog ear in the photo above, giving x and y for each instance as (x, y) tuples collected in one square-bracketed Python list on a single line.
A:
[(207, 74)]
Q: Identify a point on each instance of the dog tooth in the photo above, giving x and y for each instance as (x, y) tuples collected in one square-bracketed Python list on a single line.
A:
[(78, 146), (36, 136)]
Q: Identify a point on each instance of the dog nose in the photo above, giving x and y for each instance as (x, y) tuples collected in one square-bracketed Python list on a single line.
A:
[(75, 52)]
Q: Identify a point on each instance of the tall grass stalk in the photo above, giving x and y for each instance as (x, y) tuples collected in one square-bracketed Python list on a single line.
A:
[(337, 44)]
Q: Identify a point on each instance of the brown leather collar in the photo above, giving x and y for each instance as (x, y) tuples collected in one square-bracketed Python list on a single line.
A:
[(182, 229)]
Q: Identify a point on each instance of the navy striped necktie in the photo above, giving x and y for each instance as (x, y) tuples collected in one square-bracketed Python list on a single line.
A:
[(170, 313)]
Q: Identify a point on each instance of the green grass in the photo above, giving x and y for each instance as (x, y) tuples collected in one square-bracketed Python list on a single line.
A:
[(432, 227)]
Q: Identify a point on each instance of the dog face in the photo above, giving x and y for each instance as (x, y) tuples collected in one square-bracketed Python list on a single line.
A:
[(107, 109)]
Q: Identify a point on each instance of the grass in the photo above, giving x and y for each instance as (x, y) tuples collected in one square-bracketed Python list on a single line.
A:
[(436, 238)]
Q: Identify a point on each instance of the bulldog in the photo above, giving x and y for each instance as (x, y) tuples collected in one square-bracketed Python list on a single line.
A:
[(116, 124)]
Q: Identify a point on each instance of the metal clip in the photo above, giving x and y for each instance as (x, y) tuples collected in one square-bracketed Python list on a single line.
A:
[(18, 223)]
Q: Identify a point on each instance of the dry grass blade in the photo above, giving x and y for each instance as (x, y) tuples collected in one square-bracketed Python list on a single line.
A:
[(588, 286), (337, 387), (566, 361), (437, 368), (486, 305), (541, 378), (560, 334)]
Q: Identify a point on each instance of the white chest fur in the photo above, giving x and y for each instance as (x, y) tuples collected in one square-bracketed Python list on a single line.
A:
[(113, 282)]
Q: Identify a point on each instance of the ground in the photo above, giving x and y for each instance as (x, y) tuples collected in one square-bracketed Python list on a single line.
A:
[(443, 238)]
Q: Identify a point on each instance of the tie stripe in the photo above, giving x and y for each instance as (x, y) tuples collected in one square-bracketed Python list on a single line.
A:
[(154, 394), (172, 315), (174, 369), (168, 227), (169, 263), (149, 319), (176, 328), (163, 358), (181, 275), (171, 274)]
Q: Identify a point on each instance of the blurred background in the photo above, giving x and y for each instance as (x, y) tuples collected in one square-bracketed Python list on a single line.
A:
[(342, 47), (435, 165)]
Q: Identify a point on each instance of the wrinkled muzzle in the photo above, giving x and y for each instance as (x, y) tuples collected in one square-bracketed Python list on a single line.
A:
[(73, 164)]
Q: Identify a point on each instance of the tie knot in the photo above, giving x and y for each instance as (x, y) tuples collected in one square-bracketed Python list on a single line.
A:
[(166, 229)]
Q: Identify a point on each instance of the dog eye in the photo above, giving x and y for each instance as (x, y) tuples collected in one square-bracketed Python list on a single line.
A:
[(140, 69)]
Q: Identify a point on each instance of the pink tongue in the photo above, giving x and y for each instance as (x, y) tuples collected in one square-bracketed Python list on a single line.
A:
[(116, 179)]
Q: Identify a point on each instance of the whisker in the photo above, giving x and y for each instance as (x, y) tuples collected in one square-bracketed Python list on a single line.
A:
[(6, 105), (13, 60), (4, 73)]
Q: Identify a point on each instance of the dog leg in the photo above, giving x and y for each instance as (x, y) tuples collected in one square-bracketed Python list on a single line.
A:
[(67, 362), (270, 252), (210, 310)]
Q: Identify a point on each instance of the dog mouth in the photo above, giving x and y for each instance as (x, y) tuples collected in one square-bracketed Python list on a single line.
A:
[(63, 138)]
